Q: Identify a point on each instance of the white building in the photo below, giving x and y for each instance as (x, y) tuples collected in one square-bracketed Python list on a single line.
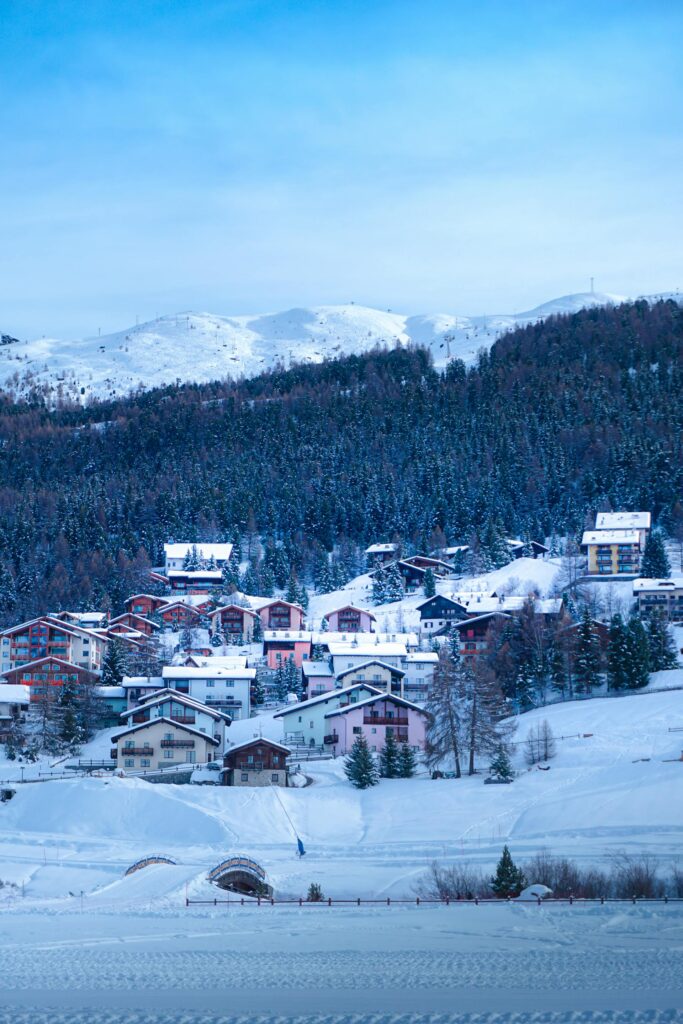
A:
[(174, 554), (419, 670), (349, 655), (227, 687)]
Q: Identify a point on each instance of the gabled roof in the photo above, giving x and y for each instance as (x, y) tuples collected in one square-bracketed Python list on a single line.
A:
[(401, 701), (381, 549), (60, 661), (367, 664), (167, 721), (179, 603), (350, 608), (207, 672), (133, 615), (442, 597), (152, 700), (253, 741), (212, 574), (460, 623), (303, 704), (369, 649), (14, 693), (281, 601), (238, 607), (60, 624)]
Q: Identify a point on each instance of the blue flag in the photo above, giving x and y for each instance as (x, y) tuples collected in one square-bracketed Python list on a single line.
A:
[(300, 847)]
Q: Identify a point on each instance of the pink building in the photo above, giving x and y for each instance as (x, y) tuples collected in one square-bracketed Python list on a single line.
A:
[(350, 619), (281, 615), (374, 718), (318, 678), (279, 647)]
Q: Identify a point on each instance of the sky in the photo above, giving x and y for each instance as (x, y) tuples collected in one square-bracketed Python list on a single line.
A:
[(243, 156)]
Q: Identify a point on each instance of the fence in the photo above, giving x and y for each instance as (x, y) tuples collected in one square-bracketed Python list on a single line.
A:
[(418, 901)]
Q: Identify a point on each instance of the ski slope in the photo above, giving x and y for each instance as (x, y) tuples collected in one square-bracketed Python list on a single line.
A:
[(201, 347)]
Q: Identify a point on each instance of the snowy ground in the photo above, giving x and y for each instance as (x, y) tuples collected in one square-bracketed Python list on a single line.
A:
[(397, 965), (81, 943)]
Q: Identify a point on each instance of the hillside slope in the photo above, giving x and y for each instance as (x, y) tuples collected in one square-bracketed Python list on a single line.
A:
[(200, 347)]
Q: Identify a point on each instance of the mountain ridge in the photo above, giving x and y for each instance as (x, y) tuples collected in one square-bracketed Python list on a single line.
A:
[(191, 347)]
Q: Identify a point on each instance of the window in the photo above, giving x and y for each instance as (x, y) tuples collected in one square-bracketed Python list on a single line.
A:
[(373, 729), (245, 776), (210, 682), (310, 724), (129, 762), (356, 730), (145, 762), (168, 753), (275, 777), (168, 735)]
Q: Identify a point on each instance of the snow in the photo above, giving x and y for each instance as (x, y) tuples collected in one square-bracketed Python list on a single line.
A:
[(198, 347), (113, 948)]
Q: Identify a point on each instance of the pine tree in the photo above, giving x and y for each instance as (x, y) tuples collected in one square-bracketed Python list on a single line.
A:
[(389, 758), (655, 564), (258, 693), (661, 649), (114, 663), (617, 655), (587, 661), (359, 765), (509, 879), (525, 688), (191, 560), (638, 654), (407, 762), (70, 731), (281, 682), (257, 631), (500, 767), (429, 583), (292, 678), (557, 668), (446, 706), (379, 591), (393, 584)]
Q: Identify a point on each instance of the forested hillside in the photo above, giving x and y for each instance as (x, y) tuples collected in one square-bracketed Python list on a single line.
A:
[(557, 419)]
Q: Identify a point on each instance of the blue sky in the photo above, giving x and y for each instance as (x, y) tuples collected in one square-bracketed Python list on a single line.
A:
[(244, 156)]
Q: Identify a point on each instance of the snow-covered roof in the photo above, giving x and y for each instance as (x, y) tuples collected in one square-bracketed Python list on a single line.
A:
[(366, 664), (29, 665), (455, 549), (252, 741), (129, 682), (14, 693), (110, 691), (445, 597), (422, 656), (610, 537), (300, 635), (369, 650), (222, 660), (394, 698), (208, 672), (623, 520), (192, 574), (316, 668), (350, 608), (673, 583), (166, 693), (381, 549), (322, 697), (205, 550), (167, 721), (234, 604)]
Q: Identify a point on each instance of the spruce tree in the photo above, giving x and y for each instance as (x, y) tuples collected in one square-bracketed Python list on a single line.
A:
[(661, 650), (509, 879), (655, 564), (587, 661), (393, 584), (70, 731), (389, 758), (617, 655), (114, 663), (429, 583), (281, 685), (525, 688), (500, 767), (359, 765), (257, 631), (379, 590), (258, 693), (407, 762), (638, 650)]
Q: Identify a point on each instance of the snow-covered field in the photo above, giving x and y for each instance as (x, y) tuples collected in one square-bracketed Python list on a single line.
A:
[(204, 346), (81, 943)]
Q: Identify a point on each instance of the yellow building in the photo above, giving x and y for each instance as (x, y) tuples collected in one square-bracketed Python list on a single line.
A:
[(613, 552)]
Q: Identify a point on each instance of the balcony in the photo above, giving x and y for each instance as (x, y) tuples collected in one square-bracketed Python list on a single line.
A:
[(177, 743), (383, 720), (331, 740), (137, 751), (183, 719)]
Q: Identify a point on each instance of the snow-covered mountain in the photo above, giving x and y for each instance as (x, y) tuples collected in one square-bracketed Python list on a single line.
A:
[(201, 347)]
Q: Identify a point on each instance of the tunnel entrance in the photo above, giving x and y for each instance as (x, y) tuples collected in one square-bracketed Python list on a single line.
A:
[(241, 875)]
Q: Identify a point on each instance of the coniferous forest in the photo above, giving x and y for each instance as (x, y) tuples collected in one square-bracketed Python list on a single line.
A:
[(558, 419)]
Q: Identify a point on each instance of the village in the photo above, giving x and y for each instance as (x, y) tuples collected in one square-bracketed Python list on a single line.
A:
[(206, 656)]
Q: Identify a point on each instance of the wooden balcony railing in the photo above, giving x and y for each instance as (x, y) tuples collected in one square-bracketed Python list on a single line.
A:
[(177, 743), (383, 720), (137, 751)]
